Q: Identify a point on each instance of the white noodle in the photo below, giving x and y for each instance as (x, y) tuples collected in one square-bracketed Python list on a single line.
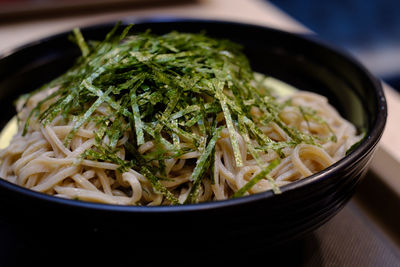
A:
[(40, 161)]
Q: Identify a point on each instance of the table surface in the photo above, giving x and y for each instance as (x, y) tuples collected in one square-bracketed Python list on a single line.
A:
[(353, 221)]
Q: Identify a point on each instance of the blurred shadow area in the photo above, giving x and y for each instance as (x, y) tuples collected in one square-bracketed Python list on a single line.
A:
[(368, 29), (380, 203), (95, 249)]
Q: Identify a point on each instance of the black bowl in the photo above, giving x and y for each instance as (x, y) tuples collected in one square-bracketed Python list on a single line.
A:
[(260, 220)]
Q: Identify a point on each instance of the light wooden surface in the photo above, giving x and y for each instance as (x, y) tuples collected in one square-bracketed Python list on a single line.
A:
[(387, 160)]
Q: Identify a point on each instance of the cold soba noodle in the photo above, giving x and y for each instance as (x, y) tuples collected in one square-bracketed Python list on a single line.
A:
[(172, 119)]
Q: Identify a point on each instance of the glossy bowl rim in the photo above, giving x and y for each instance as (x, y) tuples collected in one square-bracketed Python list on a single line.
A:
[(369, 142)]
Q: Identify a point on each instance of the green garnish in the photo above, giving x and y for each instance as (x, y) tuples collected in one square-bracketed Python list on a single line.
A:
[(310, 114), (200, 166), (81, 42), (355, 145), (261, 175), (158, 187), (218, 87), (168, 89)]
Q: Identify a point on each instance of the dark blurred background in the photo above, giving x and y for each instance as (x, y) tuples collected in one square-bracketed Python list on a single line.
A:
[(368, 29)]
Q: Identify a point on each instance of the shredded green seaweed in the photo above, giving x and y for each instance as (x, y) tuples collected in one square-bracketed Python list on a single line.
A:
[(355, 145), (160, 88), (261, 175), (201, 166), (81, 42)]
